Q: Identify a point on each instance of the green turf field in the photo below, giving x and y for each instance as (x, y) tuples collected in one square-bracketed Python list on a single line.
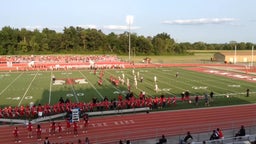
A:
[(21, 88)]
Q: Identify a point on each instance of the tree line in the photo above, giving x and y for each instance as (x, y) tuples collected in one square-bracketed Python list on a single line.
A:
[(78, 40)]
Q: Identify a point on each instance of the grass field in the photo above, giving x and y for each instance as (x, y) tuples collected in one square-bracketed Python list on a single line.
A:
[(21, 88)]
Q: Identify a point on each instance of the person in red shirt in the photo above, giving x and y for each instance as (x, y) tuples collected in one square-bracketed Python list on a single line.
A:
[(16, 135), (59, 129), (29, 128), (38, 132), (86, 123), (221, 136), (1, 113), (75, 128), (68, 125), (174, 101), (53, 127), (120, 97)]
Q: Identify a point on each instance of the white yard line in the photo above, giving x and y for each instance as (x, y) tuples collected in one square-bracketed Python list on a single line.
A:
[(92, 85), (27, 89), (50, 90), (73, 90), (10, 84)]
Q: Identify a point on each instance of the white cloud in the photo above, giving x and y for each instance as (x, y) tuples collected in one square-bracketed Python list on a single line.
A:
[(119, 27), (34, 27), (59, 28), (200, 21), (107, 27), (88, 26)]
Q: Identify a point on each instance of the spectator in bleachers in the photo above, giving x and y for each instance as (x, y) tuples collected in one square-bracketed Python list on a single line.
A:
[(214, 135), (220, 133), (188, 138), (128, 142), (120, 142), (162, 140), (241, 132)]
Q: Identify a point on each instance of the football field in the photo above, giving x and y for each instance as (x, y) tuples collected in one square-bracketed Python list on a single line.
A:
[(24, 87)]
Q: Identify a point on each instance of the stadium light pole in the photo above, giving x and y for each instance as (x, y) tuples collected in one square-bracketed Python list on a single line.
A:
[(129, 21), (235, 56), (252, 55)]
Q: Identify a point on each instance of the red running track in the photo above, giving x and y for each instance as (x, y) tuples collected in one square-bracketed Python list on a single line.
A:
[(110, 129)]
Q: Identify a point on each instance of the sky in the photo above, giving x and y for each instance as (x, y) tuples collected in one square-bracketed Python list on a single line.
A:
[(209, 21)]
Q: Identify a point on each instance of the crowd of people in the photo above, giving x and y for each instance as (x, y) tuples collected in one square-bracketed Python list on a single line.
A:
[(59, 58), (61, 62), (121, 102), (58, 129), (217, 134)]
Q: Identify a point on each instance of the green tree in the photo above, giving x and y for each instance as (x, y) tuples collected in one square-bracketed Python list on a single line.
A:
[(143, 45), (112, 42), (163, 44)]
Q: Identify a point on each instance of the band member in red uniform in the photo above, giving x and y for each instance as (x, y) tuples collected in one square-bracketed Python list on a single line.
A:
[(53, 127), (68, 125), (16, 135), (75, 128), (59, 129), (86, 123), (38, 132), (29, 128), (174, 101)]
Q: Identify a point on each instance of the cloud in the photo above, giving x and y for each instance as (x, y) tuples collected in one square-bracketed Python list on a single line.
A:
[(200, 21), (88, 26), (107, 27), (34, 27), (119, 27), (59, 28)]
